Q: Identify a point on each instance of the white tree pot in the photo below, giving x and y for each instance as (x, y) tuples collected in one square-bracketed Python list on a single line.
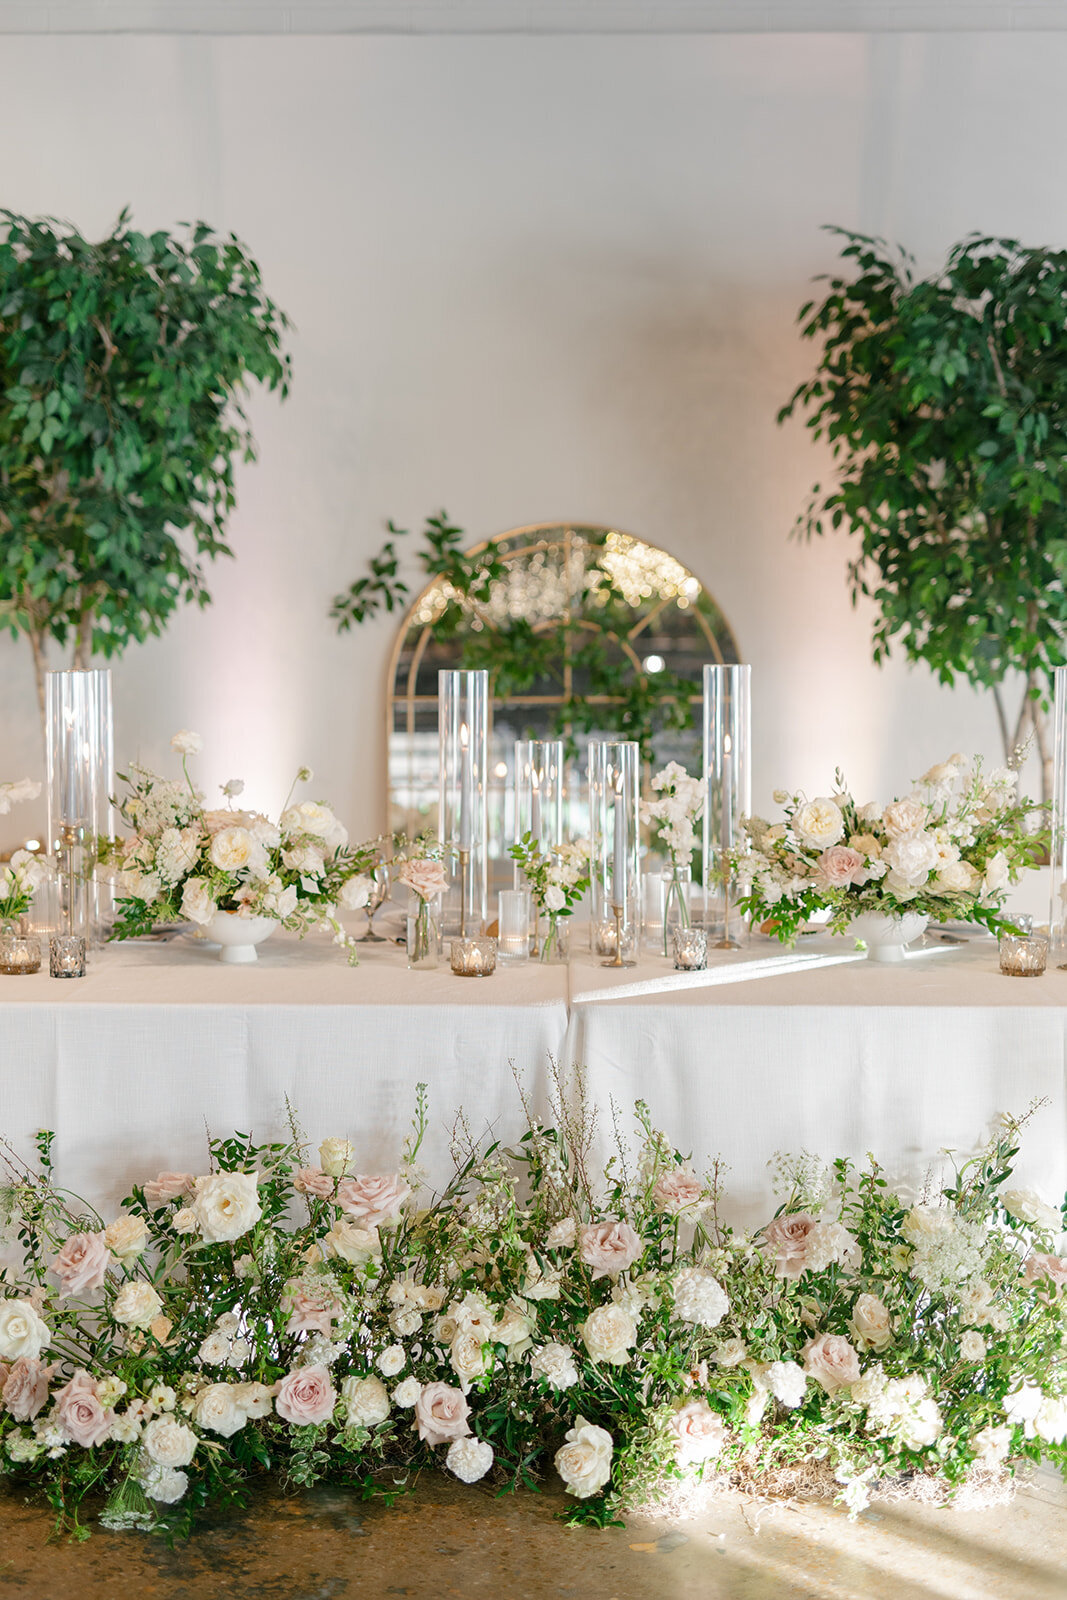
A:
[(238, 936), (886, 937)]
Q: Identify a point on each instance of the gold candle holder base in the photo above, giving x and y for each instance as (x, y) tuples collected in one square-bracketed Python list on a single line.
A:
[(617, 959)]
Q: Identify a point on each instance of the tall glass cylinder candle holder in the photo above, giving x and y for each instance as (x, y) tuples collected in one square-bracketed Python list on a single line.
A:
[(727, 793), (614, 890), (1057, 921), (539, 769), (80, 766), (463, 816)]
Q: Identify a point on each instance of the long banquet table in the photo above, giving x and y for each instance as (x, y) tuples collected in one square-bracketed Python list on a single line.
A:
[(766, 1051)]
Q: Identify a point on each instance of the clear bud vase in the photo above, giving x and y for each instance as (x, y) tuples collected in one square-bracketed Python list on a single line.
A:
[(556, 944), (424, 933), (677, 884)]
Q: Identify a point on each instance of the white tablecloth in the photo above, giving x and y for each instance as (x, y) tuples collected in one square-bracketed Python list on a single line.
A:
[(766, 1051)]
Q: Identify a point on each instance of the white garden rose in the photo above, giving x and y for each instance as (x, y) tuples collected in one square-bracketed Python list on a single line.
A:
[(871, 1324), (336, 1157), (392, 1360), (819, 823), (609, 1334), (1050, 1424), (997, 875), (352, 1243), (137, 1304), (317, 820), (469, 1358), (235, 850), (584, 1462), (1026, 1206), (555, 1363), (697, 1433), (366, 1402), (469, 1459), (956, 877), (904, 816), (730, 1353), (925, 1224), (355, 892), (22, 1332), (972, 1346), (1022, 1405), (513, 1329), (218, 1409), (555, 899), (992, 1446), (215, 1350), (561, 1235), (197, 903), (184, 1221), (187, 743), (226, 1205), (126, 1238), (407, 1393), (169, 1442)]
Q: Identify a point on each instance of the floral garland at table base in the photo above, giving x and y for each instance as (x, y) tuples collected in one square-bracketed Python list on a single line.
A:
[(309, 1320)]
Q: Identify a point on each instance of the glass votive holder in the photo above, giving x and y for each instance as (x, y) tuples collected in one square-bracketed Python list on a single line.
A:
[(690, 949), (474, 958), (513, 925), (1023, 955), (20, 953), (66, 955), (1022, 924)]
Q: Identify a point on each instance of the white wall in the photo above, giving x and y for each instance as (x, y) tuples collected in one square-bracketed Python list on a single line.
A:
[(532, 279)]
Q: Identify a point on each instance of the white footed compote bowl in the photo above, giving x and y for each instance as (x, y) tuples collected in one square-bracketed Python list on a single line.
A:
[(238, 936), (886, 936)]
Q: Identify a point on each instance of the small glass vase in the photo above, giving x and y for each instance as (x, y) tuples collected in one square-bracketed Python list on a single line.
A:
[(424, 934), (20, 952), (556, 945), (677, 881)]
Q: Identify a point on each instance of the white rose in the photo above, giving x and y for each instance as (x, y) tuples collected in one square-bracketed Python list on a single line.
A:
[(215, 1350), (197, 903), (923, 1224), (996, 873), (992, 1445), (870, 1324), (168, 1442), (555, 1363), (972, 1346), (819, 823), (137, 1304), (187, 743), (697, 1432), (22, 1331), (217, 1409), (126, 1238), (184, 1221), (956, 877), (405, 1321), (469, 1459), (730, 1353), (352, 1243), (584, 1462), (407, 1393), (1022, 1406), (1050, 1423), (355, 892), (318, 820), (609, 1334), (562, 1234), (1026, 1206), (555, 899), (513, 1328), (226, 1205), (336, 1157), (392, 1360), (366, 1402), (904, 816)]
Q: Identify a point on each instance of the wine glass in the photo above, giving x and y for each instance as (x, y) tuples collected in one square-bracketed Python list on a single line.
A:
[(379, 893)]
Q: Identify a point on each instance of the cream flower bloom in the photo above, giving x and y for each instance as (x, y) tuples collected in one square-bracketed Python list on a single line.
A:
[(819, 823), (217, 1409), (22, 1331), (137, 1304), (336, 1157), (366, 1401), (609, 1334), (584, 1461), (168, 1442), (227, 1205), (126, 1238)]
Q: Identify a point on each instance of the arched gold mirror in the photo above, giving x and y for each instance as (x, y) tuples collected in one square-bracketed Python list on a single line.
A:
[(586, 632)]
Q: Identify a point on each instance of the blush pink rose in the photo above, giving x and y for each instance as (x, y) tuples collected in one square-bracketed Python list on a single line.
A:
[(373, 1202), (306, 1396), (82, 1263), (841, 865), (311, 1310), (697, 1433), (788, 1236), (426, 878), (312, 1180), (167, 1187), (609, 1247), (1042, 1267), (80, 1412), (832, 1362), (677, 1191), (24, 1388), (441, 1414)]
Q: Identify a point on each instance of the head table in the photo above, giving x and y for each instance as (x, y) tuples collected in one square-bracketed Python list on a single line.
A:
[(766, 1051)]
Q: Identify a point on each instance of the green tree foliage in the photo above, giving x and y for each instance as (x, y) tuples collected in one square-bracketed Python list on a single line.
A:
[(944, 400), (123, 367)]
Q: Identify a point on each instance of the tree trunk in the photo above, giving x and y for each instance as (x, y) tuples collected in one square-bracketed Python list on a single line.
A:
[(40, 667), (83, 641)]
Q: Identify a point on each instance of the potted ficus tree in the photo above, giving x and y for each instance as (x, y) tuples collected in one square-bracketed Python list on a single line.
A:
[(123, 365), (944, 400)]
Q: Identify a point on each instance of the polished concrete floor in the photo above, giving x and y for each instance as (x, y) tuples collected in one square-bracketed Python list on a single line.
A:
[(447, 1540)]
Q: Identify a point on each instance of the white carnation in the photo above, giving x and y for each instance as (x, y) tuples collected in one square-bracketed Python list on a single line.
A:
[(469, 1459), (555, 1363), (699, 1297)]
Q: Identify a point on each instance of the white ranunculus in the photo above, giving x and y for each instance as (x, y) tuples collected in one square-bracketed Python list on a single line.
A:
[(584, 1462), (609, 1334), (218, 1409), (126, 1238), (22, 1332), (819, 823), (469, 1459), (137, 1304), (197, 903), (187, 743), (366, 1402), (169, 1442), (227, 1205)]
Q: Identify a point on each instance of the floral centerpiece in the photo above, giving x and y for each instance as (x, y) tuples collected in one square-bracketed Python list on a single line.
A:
[(557, 879), (185, 862), (421, 869), (22, 875), (536, 1313), (672, 817), (948, 850)]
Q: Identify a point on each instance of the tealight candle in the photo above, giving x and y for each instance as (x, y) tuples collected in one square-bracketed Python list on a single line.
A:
[(474, 958), (690, 949), (66, 955), (20, 954), (1023, 955)]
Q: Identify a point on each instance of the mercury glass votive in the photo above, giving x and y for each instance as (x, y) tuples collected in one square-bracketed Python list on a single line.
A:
[(66, 955), (20, 953), (1023, 955), (513, 925), (474, 958), (690, 949)]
